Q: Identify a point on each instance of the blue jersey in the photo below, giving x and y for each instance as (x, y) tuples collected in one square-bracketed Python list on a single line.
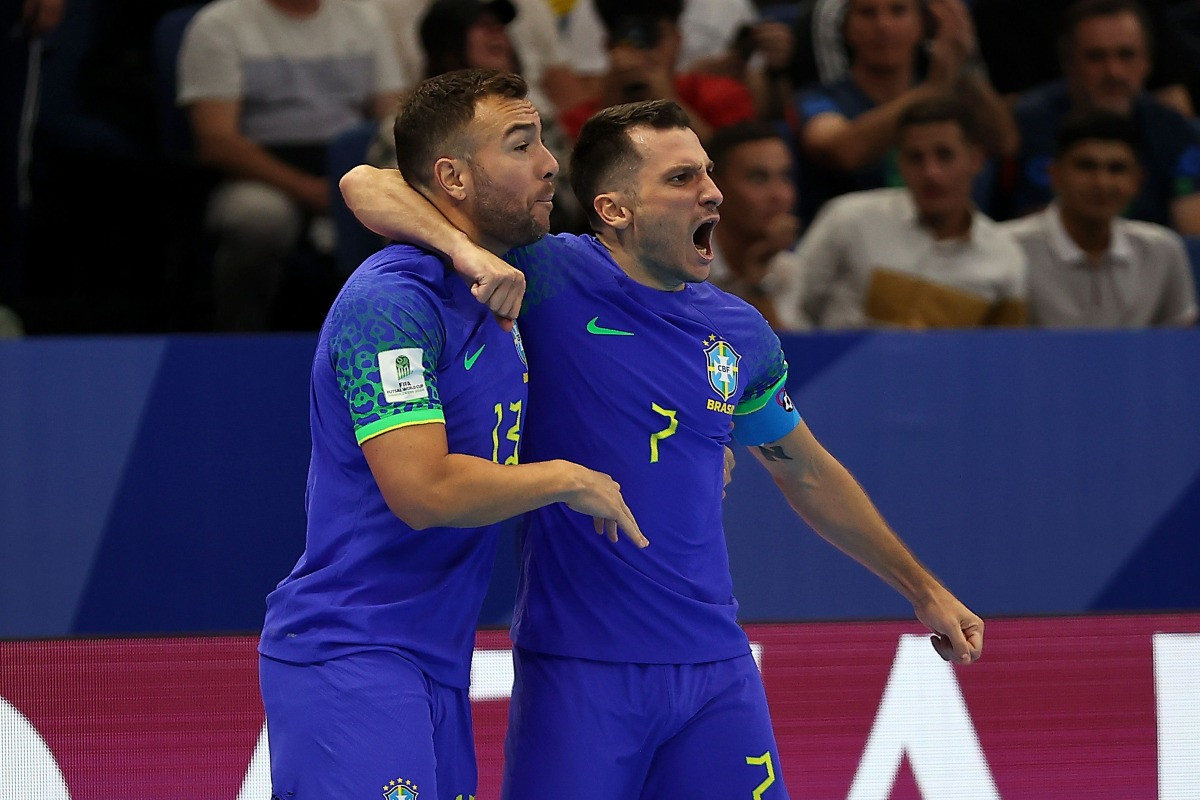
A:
[(646, 386), (404, 343)]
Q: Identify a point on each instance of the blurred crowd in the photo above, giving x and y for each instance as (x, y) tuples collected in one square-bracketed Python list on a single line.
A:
[(172, 166)]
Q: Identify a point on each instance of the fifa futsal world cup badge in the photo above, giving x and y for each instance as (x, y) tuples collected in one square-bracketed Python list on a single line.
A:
[(403, 367), (400, 789), (722, 368)]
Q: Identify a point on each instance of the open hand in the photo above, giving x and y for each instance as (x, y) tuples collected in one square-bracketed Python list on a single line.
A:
[(599, 496)]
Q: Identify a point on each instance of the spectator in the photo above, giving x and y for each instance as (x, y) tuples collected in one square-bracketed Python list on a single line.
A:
[(643, 49), (1035, 23), (457, 34), (918, 257), (267, 85), (1088, 267), (25, 26), (753, 254), (706, 28), (821, 54), (532, 30), (1105, 52), (846, 129), (760, 56)]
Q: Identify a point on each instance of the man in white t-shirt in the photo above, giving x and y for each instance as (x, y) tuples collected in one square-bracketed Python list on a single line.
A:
[(921, 256), (1088, 266), (268, 84)]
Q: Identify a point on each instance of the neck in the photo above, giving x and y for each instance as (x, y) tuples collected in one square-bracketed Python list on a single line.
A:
[(456, 217), (633, 267), (1093, 236), (954, 225), (881, 83)]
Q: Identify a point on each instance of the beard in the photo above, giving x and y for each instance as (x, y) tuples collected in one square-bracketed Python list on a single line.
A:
[(503, 217), (662, 254)]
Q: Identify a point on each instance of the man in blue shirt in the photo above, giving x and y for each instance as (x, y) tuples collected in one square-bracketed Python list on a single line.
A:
[(846, 130), (633, 677), (1105, 52), (416, 412)]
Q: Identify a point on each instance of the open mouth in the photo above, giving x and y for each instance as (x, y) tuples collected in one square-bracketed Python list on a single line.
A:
[(702, 238)]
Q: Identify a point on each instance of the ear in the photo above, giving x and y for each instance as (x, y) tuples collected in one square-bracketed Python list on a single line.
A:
[(1052, 170), (1139, 175), (452, 177), (978, 158), (608, 207)]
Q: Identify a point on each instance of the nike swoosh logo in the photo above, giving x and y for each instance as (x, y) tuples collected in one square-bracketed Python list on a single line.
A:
[(469, 361), (599, 330)]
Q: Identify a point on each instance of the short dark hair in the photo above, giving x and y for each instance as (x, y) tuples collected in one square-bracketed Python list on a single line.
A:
[(728, 137), (613, 13), (941, 108), (604, 148), (444, 27), (1083, 10), (432, 119), (1107, 126)]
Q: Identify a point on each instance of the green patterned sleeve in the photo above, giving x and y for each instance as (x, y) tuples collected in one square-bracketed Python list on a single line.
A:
[(385, 349)]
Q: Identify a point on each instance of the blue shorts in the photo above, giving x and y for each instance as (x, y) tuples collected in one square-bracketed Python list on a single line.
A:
[(591, 730), (368, 726)]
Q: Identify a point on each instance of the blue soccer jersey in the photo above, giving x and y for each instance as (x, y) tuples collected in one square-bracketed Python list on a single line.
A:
[(405, 343), (647, 386)]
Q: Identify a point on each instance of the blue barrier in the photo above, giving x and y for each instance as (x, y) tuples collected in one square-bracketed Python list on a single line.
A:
[(155, 484)]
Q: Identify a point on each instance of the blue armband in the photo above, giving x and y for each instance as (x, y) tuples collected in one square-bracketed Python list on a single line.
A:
[(766, 418)]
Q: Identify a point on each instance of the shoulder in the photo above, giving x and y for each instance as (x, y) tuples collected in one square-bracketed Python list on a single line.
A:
[(1022, 228), (839, 213), (219, 13), (732, 317), (557, 244), (1046, 99), (993, 237), (835, 97), (399, 271), (1152, 235), (554, 262), (1152, 112), (889, 202), (1163, 128)]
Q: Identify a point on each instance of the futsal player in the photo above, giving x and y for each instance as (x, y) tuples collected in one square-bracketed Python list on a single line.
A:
[(633, 676), (416, 409)]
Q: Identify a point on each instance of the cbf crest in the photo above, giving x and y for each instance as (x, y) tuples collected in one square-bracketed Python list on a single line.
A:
[(400, 789), (722, 368)]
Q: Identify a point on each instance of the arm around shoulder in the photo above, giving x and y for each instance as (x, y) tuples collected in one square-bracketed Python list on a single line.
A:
[(387, 204)]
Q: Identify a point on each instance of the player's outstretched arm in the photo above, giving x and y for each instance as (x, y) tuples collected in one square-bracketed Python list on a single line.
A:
[(427, 486), (831, 501), (384, 202)]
